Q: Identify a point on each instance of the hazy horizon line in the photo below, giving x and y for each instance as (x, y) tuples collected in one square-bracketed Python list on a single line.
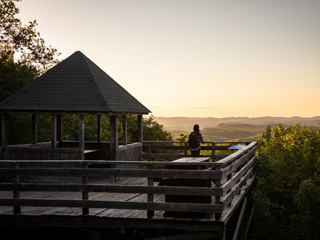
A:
[(238, 117)]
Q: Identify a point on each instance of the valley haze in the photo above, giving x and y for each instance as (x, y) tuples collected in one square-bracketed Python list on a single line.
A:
[(186, 123)]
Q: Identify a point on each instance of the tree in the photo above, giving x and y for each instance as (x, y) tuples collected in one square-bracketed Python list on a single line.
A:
[(152, 130), (288, 167), (23, 41), (23, 56)]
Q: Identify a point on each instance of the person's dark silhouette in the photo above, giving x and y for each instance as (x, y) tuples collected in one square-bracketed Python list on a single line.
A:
[(195, 138)]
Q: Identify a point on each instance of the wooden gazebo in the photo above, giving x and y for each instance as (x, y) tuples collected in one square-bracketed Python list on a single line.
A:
[(74, 86)]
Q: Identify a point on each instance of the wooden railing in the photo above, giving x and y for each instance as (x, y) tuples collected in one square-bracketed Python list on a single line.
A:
[(173, 150), (228, 177)]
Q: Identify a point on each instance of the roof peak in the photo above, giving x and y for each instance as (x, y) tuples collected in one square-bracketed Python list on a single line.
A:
[(74, 85)]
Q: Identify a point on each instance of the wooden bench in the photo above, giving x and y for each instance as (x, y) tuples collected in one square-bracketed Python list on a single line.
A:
[(190, 183)]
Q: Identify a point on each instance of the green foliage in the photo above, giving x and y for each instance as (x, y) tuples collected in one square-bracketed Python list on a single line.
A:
[(288, 167), (183, 137), (153, 131), (23, 41), (71, 128), (13, 76), (23, 56)]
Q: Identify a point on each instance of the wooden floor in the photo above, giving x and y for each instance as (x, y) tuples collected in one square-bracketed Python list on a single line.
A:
[(98, 212), (100, 218), (115, 213)]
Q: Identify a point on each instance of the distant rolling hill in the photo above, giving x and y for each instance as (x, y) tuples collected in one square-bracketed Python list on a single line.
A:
[(237, 128)]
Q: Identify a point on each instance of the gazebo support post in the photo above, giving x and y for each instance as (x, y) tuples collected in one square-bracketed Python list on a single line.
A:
[(125, 129), (140, 129), (59, 128), (81, 136), (54, 131), (34, 129), (5, 138), (99, 128), (114, 142)]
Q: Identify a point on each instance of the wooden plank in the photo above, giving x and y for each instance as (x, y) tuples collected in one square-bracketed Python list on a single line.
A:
[(114, 141), (5, 135), (190, 207), (108, 162), (140, 128), (230, 158), (54, 131), (192, 159), (228, 211), (34, 129), (43, 150), (110, 172), (105, 223), (130, 146), (81, 136), (236, 188), (229, 184), (191, 236), (99, 128), (124, 129)]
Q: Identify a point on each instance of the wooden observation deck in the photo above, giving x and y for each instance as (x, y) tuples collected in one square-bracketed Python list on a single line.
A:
[(84, 193)]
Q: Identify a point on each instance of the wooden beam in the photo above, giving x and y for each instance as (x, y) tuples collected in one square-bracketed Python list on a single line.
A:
[(5, 138), (85, 195), (114, 141), (167, 206), (150, 189), (16, 194), (81, 135), (99, 128), (117, 172), (59, 128), (125, 129), (54, 131), (140, 128), (34, 129)]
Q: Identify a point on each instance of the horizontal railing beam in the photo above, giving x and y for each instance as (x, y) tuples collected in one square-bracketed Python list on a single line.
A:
[(168, 206), (191, 191), (114, 162), (112, 172)]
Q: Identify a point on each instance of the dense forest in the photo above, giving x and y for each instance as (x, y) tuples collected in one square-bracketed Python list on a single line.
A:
[(287, 190)]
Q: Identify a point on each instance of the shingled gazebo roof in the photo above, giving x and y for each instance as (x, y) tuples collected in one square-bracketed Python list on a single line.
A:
[(76, 85)]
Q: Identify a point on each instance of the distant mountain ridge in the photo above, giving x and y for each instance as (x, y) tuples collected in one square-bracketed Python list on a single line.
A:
[(186, 123), (232, 129)]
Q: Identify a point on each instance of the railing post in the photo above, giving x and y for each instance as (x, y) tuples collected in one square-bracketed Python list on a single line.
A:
[(85, 195), (149, 152), (5, 132), (114, 140), (34, 129), (54, 131), (99, 128), (185, 149), (16, 193), (213, 152), (217, 182), (81, 135), (150, 213), (140, 128), (125, 129)]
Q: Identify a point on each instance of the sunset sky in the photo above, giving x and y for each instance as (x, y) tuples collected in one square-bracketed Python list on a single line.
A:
[(196, 58)]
